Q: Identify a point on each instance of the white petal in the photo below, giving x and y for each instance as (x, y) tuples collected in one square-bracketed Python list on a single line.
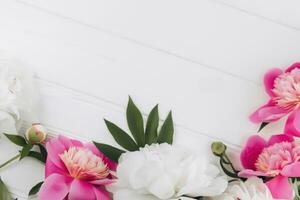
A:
[(162, 188), (131, 195), (7, 123)]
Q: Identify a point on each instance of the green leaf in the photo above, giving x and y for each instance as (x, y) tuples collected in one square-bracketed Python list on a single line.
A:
[(4, 193), (35, 189), (16, 139), (43, 151), (25, 151), (262, 125), (111, 152), (151, 126), (121, 137), (135, 123), (37, 156), (167, 130)]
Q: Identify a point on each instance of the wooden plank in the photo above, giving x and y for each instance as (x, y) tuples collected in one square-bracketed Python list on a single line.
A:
[(202, 32), (204, 64), (197, 95), (284, 13), (109, 68)]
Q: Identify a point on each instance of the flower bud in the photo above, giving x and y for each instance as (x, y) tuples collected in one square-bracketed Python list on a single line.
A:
[(36, 134), (218, 148)]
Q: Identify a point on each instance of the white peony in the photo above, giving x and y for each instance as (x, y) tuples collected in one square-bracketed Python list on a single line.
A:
[(17, 93), (252, 189), (162, 171)]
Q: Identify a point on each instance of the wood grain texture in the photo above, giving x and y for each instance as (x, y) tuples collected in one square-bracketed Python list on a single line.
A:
[(284, 13), (203, 32), (202, 59)]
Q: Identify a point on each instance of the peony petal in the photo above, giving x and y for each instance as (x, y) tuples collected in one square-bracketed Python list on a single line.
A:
[(57, 146), (112, 165), (54, 187), (280, 138), (126, 194), (65, 141), (80, 190), (268, 113), (162, 188), (7, 122), (253, 148), (54, 148), (51, 168), (293, 66), (292, 170), (247, 173), (76, 143), (101, 194), (280, 187), (269, 78), (292, 125), (211, 188), (103, 182)]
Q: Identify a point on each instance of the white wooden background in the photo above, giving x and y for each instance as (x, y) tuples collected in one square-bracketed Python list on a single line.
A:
[(204, 59)]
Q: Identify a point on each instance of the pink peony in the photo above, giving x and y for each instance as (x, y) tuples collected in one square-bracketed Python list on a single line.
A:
[(278, 158), (283, 88), (75, 171)]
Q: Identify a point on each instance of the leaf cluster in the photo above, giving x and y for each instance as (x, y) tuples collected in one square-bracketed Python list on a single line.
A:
[(141, 134), (26, 150)]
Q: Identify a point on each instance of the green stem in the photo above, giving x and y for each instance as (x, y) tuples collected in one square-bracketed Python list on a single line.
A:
[(10, 160), (230, 163), (294, 183)]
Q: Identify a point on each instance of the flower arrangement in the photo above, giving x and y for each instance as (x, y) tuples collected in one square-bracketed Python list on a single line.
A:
[(276, 161), (148, 166)]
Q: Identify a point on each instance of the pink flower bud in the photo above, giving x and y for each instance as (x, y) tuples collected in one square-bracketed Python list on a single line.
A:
[(36, 134)]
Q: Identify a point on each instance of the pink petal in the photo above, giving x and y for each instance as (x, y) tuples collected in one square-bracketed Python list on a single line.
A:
[(293, 66), (54, 187), (51, 168), (247, 173), (251, 151), (112, 165), (292, 125), (76, 143), (65, 141), (54, 148), (57, 146), (101, 194), (268, 113), (80, 190), (269, 78), (292, 170), (279, 138), (102, 181), (280, 187)]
